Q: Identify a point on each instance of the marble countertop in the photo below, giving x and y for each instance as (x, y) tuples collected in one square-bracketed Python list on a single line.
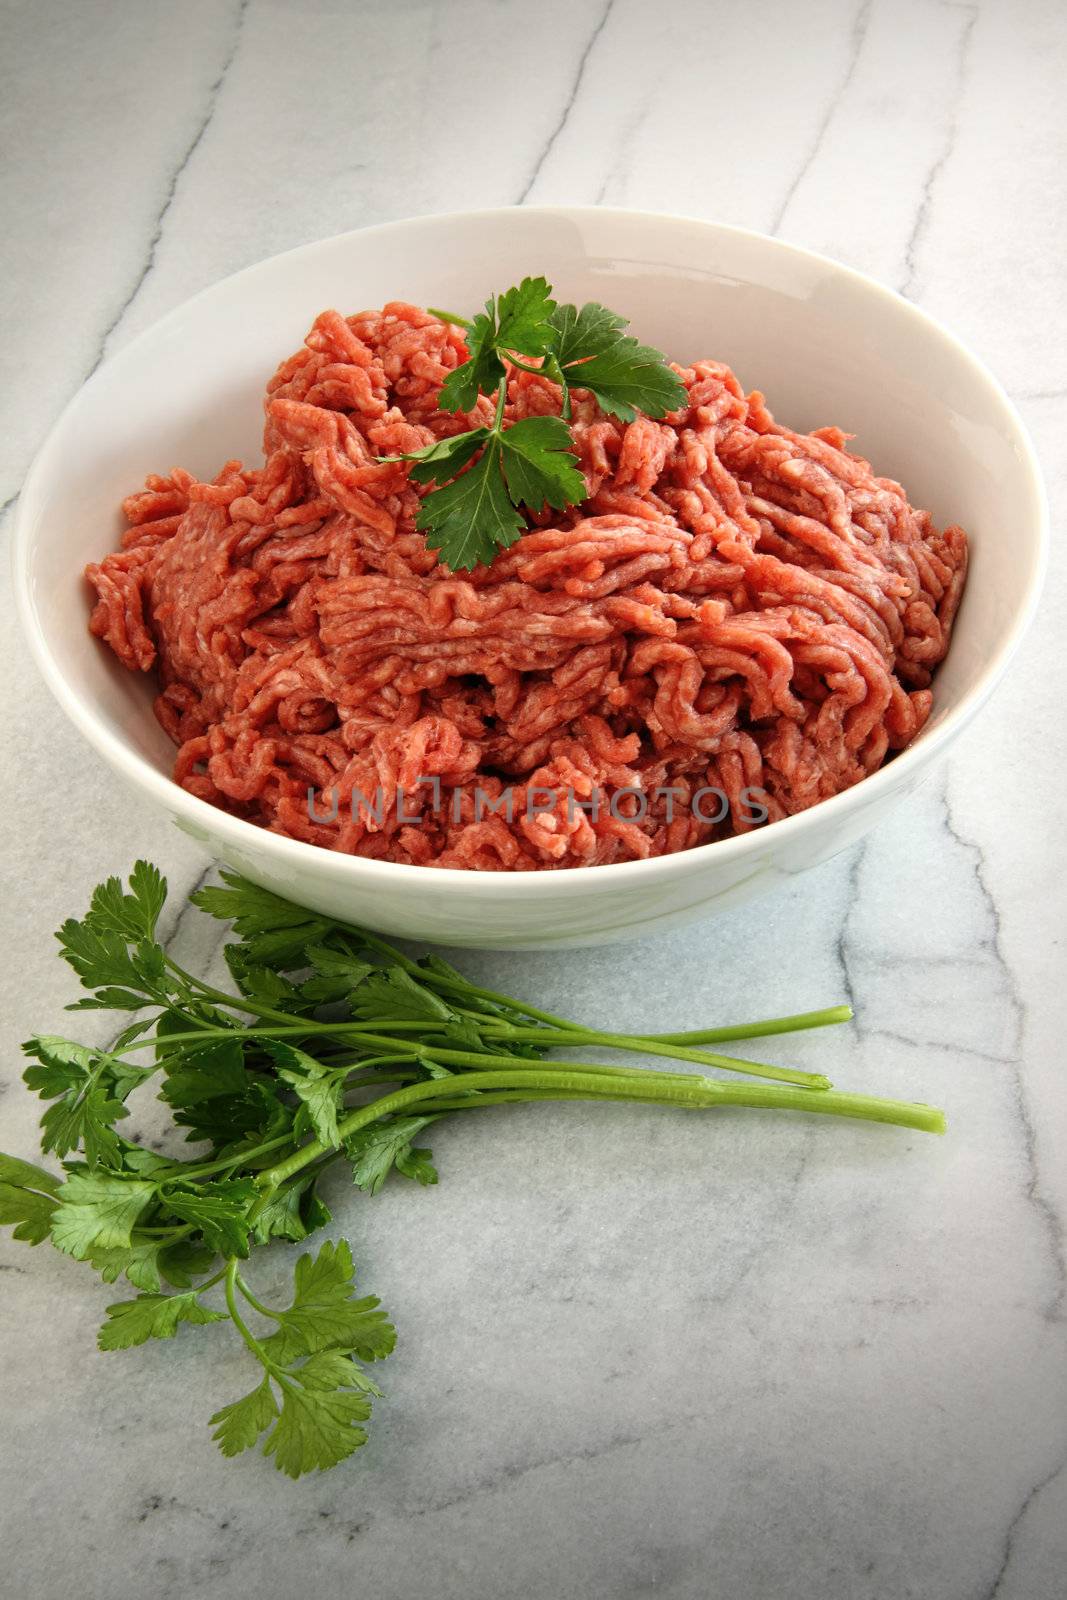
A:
[(639, 1354)]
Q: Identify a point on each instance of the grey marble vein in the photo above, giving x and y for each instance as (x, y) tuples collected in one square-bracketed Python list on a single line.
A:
[(970, 15), (841, 952), (1012, 1534), (857, 35), (173, 179), (916, 1042), (179, 912), (1046, 1211), (631, 138), (568, 104)]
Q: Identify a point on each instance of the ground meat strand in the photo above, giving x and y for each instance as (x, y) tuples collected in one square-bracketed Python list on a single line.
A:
[(735, 607)]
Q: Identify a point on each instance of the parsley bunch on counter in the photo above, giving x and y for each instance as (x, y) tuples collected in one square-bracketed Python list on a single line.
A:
[(474, 511), (331, 1047)]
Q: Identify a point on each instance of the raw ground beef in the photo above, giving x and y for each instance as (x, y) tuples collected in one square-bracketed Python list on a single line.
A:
[(734, 606)]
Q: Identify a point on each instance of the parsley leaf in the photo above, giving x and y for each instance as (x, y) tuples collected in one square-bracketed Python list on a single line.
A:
[(337, 975), (151, 1316), (241, 1423), (86, 1097), (98, 1211), (398, 995), (473, 511), (291, 1213), (313, 1362), (235, 1121), (30, 1212), (260, 983), (376, 1150), (84, 1118), (100, 956), (139, 1261), (132, 916), (482, 370), (25, 1175), (317, 1428), (212, 1092), (179, 1263), (592, 352), (471, 518), (27, 1198), (218, 1210), (441, 461), (585, 332), (416, 1164), (626, 377), (274, 932), (524, 317), (540, 465), (148, 1260), (318, 1089), (325, 1316), (520, 320), (206, 1073)]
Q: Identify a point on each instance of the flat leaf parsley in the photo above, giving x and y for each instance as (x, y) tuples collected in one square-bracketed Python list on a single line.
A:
[(483, 476), (338, 1051)]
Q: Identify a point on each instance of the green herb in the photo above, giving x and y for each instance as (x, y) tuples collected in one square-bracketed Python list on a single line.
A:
[(487, 473), (334, 1048), (28, 1197)]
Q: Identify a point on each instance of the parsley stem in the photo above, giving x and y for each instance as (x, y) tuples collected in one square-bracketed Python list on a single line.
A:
[(522, 366), (476, 1061), (480, 1061), (465, 1058), (242, 1158), (232, 1002), (276, 1372), (443, 981), (457, 986), (679, 1052), (500, 1097), (238, 1321), (695, 1092), (448, 316), (307, 1026), (797, 1023), (257, 1305)]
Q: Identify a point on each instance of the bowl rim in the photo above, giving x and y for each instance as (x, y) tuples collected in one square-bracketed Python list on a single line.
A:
[(297, 854)]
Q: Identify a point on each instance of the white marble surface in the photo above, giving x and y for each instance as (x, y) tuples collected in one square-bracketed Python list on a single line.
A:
[(640, 1354)]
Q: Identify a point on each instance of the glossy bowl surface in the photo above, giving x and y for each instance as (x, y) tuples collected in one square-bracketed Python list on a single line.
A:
[(826, 344)]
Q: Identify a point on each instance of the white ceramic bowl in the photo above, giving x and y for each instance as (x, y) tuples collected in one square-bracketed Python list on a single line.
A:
[(826, 344)]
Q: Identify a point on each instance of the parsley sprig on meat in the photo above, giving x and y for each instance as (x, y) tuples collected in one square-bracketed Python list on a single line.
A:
[(486, 474), (333, 1046)]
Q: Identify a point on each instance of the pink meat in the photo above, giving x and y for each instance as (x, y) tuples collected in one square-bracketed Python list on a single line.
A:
[(734, 606)]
